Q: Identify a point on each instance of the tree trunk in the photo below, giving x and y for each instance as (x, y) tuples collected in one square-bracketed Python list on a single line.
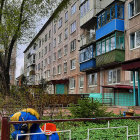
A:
[(5, 83)]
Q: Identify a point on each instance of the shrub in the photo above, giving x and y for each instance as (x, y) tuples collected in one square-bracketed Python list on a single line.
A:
[(87, 109)]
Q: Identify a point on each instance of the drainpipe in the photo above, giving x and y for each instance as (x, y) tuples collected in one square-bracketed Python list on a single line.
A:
[(134, 90)]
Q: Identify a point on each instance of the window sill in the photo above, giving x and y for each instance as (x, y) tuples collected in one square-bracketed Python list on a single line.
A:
[(73, 69), (113, 83), (134, 16), (92, 86), (81, 87), (135, 48), (72, 88)]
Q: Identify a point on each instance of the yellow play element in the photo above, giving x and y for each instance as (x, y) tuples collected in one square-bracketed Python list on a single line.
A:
[(32, 112), (16, 116)]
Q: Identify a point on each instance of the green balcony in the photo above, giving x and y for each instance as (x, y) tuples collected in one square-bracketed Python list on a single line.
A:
[(112, 57)]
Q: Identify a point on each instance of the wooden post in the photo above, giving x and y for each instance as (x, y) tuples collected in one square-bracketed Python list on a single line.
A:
[(5, 129)]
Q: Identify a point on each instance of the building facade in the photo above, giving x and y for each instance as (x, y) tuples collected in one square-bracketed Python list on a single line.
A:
[(87, 50)]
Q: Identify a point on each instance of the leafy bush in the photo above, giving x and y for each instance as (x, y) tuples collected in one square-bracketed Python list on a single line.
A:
[(87, 109)]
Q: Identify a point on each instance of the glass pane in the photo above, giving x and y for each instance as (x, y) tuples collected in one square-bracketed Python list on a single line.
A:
[(120, 12), (132, 9), (110, 76), (108, 16), (114, 76), (103, 47), (95, 79), (118, 76), (113, 12), (99, 22), (137, 6), (132, 40), (107, 45), (112, 43), (138, 38), (89, 79), (98, 49), (103, 19)]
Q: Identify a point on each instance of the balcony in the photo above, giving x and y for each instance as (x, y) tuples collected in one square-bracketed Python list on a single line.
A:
[(114, 25), (110, 19), (87, 58), (87, 65), (90, 38), (112, 57)]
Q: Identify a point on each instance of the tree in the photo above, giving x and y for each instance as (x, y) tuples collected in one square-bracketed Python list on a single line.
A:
[(17, 21)]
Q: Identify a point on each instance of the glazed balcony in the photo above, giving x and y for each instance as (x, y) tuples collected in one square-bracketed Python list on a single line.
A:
[(87, 39), (113, 57), (87, 58), (110, 20)]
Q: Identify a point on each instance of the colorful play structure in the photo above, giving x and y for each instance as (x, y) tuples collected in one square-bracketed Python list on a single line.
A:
[(33, 131)]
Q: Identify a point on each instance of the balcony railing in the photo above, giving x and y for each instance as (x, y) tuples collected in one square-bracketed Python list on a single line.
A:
[(114, 56), (87, 40)]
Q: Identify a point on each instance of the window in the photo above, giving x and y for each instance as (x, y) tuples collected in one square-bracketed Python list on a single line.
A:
[(72, 83), (65, 67), (112, 43), (86, 54), (59, 53), (134, 8), (42, 65), (48, 73), (99, 48), (54, 28), (50, 46), (73, 27), (114, 76), (42, 52), (54, 57), (46, 37), (135, 40), (39, 66), (66, 33), (54, 71), (136, 76), (59, 38), (59, 69), (81, 81), (103, 46), (92, 79), (39, 43), (46, 62), (49, 60), (73, 64), (54, 43), (60, 23), (39, 55), (73, 45), (73, 9), (84, 8), (66, 16), (46, 50), (50, 34), (65, 49)]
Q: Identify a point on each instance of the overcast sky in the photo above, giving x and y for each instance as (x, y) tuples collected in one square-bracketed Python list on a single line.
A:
[(21, 48)]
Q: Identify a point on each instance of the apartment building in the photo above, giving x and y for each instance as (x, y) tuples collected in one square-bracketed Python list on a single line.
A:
[(92, 47)]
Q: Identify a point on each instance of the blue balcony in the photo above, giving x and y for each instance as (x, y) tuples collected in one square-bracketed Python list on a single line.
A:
[(87, 65), (87, 58), (114, 25), (109, 20)]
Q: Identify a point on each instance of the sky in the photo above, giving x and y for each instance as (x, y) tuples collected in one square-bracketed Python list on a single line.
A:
[(21, 48)]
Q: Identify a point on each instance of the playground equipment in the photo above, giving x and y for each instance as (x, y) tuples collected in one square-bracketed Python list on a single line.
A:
[(21, 130)]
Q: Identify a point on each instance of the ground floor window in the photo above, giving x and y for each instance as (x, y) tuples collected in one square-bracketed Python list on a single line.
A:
[(81, 81), (92, 79), (72, 83), (131, 76), (114, 76)]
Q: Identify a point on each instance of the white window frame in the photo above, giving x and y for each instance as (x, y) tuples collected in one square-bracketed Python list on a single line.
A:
[(66, 33), (94, 81), (135, 40), (72, 83), (73, 61), (59, 69), (73, 27), (66, 16), (73, 45), (65, 50), (81, 80), (59, 53), (60, 22), (60, 38), (114, 70), (65, 67), (73, 8)]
